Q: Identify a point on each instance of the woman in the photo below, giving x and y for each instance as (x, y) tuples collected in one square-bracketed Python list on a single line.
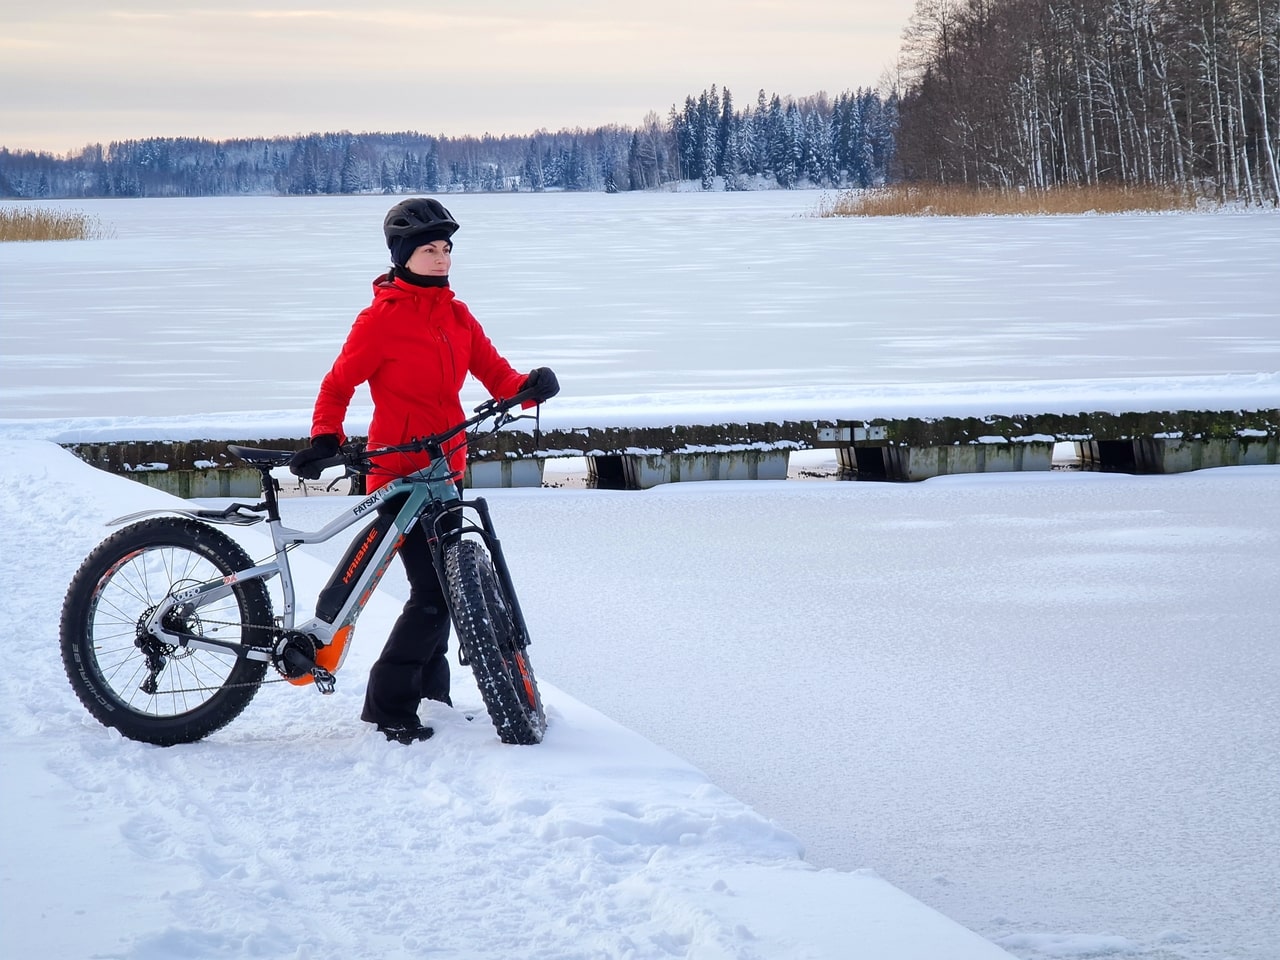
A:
[(414, 346)]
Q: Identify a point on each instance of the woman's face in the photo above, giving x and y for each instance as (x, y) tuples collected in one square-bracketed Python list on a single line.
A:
[(431, 259)]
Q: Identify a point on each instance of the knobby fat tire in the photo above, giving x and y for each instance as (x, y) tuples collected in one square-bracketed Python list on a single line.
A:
[(118, 583), (487, 633)]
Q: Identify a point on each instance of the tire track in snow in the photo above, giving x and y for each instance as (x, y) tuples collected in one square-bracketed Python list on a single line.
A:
[(285, 845)]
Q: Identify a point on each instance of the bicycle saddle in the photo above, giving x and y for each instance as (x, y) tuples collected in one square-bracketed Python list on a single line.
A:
[(272, 458)]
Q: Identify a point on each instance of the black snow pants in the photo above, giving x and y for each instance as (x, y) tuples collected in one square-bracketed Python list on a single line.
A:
[(414, 664)]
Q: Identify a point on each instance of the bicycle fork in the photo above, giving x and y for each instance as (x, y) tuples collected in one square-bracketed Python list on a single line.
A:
[(448, 529)]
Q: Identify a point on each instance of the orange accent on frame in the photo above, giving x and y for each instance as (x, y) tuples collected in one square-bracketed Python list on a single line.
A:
[(328, 657)]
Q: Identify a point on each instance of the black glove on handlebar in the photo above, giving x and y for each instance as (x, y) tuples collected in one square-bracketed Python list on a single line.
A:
[(543, 383), (306, 462)]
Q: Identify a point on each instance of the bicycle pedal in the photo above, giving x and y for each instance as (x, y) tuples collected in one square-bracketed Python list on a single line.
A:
[(325, 681)]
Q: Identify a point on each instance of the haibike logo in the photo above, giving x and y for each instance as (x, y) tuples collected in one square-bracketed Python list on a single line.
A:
[(354, 567), (363, 507)]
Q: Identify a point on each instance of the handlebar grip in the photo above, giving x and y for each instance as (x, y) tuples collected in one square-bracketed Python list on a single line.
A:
[(348, 455), (517, 398), (501, 405), (342, 458)]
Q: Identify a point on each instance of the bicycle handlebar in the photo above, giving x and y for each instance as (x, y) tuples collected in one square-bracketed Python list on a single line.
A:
[(353, 456)]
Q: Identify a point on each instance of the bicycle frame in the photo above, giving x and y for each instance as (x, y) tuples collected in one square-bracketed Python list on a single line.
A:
[(429, 494)]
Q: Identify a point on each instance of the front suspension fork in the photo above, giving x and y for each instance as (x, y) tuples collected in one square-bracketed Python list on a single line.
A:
[(444, 533)]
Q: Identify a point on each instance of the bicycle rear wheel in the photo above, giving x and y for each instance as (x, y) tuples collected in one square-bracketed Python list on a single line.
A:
[(492, 641), (149, 689)]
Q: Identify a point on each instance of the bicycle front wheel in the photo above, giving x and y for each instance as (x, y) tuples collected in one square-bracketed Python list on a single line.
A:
[(149, 689), (491, 640)]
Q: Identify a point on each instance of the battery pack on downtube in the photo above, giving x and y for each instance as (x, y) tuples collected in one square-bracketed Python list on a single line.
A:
[(396, 514), (346, 575)]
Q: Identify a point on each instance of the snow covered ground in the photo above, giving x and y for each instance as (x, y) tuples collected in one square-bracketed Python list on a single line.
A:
[(298, 832), (1042, 704)]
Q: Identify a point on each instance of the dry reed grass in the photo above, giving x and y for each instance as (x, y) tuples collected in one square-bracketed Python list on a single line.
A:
[(929, 200), (42, 223)]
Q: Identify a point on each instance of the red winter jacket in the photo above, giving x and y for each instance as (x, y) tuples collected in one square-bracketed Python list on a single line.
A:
[(414, 346)]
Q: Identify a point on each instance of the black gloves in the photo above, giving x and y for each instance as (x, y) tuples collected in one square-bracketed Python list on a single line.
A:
[(543, 383), (306, 463)]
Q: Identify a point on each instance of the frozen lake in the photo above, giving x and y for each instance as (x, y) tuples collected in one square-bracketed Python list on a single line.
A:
[(1043, 704), (239, 304)]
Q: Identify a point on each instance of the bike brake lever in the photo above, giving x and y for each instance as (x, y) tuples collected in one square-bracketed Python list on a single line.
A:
[(512, 418)]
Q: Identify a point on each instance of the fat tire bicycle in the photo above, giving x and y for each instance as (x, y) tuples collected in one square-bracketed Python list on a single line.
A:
[(168, 628)]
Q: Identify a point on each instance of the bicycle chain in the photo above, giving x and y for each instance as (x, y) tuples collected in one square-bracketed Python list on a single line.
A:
[(225, 686)]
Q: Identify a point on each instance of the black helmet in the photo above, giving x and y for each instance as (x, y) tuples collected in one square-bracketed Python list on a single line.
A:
[(417, 217), (413, 223)]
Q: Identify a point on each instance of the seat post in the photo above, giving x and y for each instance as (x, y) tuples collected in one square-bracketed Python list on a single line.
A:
[(269, 488)]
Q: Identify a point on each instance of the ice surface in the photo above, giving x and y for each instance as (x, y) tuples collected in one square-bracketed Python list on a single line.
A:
[(237, 304), (1043, 705)]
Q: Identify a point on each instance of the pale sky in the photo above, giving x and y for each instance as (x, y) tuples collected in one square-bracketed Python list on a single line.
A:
[(92, 71)]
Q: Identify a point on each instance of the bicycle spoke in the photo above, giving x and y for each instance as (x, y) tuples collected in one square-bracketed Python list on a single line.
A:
[(154, 685)]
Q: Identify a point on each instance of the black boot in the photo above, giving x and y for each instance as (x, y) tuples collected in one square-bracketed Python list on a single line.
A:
[(406, 733)]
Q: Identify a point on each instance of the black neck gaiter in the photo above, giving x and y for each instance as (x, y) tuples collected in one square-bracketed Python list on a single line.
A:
[(418, 279)]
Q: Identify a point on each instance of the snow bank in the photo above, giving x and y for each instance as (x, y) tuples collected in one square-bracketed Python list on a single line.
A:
[(298, 832)]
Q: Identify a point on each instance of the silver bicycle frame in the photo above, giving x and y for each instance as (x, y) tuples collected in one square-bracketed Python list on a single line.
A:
[(418, 489)]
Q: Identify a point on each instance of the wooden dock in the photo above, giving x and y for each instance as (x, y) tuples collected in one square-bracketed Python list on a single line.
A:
[(878, 448)]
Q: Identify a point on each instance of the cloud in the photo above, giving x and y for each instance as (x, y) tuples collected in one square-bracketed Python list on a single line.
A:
[(234, 69)]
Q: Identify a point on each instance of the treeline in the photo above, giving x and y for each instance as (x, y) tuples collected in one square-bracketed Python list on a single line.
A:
[(780, 141), (1044, 93), (846, 142)]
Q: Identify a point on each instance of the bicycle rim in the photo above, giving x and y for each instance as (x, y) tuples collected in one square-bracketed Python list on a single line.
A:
[(150, 688)]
